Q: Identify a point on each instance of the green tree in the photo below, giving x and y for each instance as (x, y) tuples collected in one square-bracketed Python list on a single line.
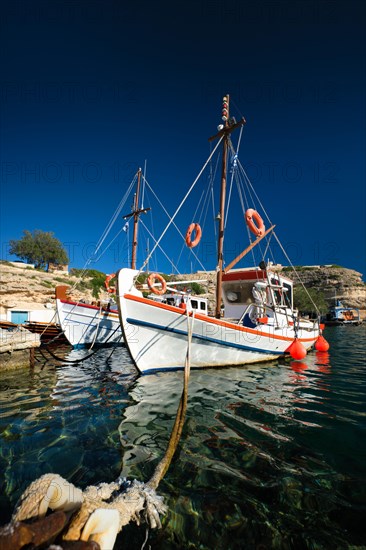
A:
[(303, 300), (197, 288), (91, 279), (40, 248)]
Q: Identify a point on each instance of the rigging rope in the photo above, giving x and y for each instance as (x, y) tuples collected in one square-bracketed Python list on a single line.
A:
[(180, 206), (106, 232), (251, 191), (176, 227)]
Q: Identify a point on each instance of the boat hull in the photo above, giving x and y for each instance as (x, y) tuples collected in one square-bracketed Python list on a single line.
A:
[(84, 324), (156, 335), (339, 323)]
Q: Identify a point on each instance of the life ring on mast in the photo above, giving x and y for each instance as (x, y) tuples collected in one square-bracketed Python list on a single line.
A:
[(110, 289), (197, 228), (151, 281), (254, 222)]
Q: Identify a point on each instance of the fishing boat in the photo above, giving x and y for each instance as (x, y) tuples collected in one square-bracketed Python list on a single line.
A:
[(342, 315), (260, 322), (89, 324), (97, 323)]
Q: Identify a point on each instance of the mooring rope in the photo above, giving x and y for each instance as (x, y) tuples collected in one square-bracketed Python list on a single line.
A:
[(164, 464), (62, 360), (97, 514)]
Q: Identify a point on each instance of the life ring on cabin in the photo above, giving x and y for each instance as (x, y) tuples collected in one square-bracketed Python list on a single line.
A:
[(151, 281), (197, 228), (110, 289), (254, 222)]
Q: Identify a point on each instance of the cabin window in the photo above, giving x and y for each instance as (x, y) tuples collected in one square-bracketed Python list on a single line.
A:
[(194, 304), (203, 306), (233, 296), (288, 294), (277, 293)]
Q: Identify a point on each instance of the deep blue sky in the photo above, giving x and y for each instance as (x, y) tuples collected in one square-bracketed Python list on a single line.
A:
[(92, 89)]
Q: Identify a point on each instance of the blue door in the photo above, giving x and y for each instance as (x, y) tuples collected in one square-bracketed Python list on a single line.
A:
[(19, 317)]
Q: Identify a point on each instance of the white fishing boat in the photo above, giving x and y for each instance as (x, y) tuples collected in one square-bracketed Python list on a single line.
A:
[(97, 324), (89, 324), (260, 323)]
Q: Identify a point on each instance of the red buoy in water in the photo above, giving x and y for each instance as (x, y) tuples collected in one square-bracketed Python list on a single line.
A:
[(298, 366), (321, 344), (296, 350)]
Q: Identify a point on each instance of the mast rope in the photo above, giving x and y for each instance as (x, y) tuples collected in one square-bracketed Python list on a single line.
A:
[(180, 206), (252, 190), (159, 246), (112, 221), (174, 225), (234, 161)]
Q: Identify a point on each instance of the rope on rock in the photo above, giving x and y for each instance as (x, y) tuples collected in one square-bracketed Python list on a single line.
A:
[(91, 519)]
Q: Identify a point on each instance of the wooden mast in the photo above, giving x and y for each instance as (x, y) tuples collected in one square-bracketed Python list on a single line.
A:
[(136, 213), (224, 132), (135, 221)]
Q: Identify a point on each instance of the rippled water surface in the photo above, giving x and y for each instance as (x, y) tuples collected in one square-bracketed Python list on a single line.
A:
[(271, 456)]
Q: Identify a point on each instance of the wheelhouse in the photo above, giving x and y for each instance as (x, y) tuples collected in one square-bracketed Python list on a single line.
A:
[(244, 287)]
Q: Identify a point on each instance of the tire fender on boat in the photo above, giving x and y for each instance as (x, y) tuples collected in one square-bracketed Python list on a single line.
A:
[(254, 222)]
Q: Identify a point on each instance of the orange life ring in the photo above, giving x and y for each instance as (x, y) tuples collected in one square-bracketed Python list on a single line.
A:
[(197, 228), (254, 222), (110, 289), (151, 281)]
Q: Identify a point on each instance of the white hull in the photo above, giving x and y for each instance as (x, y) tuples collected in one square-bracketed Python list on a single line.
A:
[(156, 335), (84, 324)]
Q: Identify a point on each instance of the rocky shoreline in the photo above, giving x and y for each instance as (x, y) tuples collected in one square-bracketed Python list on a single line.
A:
[(24, 287)]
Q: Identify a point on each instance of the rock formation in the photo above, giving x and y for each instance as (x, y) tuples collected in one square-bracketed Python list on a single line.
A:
[(32, 289)]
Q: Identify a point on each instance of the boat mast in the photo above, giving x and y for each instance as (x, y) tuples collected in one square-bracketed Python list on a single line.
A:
[(135, 220), (136, 211), (224, 131)]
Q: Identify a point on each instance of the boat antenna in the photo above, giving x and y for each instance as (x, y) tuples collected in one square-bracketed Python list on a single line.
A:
[(225, 130)]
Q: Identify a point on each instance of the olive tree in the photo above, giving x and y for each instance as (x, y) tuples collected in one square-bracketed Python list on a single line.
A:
[(39, 248)]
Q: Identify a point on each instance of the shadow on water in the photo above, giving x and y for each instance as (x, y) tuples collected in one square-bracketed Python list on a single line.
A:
[(271, 456)]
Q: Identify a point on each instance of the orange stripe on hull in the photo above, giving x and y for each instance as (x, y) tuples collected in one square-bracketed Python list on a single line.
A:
[(212, 320)]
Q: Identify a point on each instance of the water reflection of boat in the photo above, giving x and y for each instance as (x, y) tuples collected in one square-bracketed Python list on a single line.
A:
[(224, 405)]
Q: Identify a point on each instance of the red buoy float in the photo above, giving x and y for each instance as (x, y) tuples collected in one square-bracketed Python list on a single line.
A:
[(321, 344), (296, 350)]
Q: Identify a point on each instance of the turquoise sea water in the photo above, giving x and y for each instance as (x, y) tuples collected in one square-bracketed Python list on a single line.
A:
[(271, 456)]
